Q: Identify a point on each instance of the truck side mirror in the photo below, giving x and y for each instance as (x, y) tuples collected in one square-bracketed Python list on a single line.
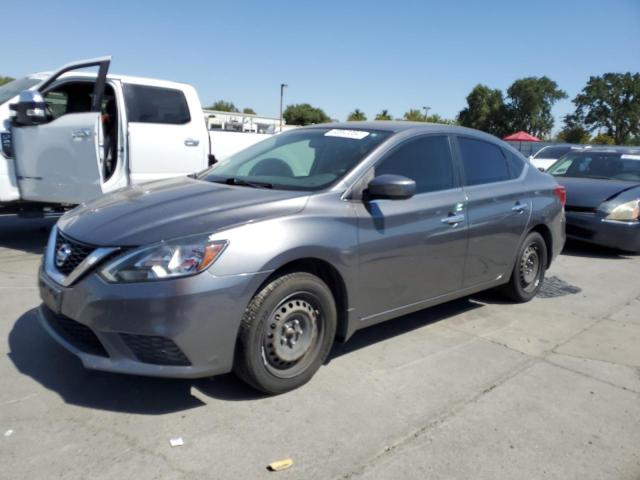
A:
[(30, 109)]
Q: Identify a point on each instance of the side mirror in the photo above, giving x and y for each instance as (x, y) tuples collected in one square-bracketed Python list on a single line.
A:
[(392, 187), (30, 109)]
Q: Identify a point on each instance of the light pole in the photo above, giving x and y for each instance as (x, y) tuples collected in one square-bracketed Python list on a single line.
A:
[(282, 86), (426, 112)]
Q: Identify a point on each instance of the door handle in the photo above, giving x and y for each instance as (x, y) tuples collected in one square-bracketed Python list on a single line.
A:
[(190, 142), (82, 134), (453, 219), (519, 207)]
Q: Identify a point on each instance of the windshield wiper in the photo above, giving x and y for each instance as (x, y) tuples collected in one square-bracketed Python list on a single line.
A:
[(246, 183)]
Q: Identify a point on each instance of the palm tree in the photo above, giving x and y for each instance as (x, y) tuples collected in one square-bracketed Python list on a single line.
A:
[(384, 115), (356, 115), (414, 115)]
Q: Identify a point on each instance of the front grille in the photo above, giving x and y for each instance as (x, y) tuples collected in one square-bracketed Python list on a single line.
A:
[(77, 334), (155, 350), (77, 253)]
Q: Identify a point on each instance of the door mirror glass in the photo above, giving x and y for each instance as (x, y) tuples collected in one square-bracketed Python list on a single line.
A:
[(392, 187), (30, 109)]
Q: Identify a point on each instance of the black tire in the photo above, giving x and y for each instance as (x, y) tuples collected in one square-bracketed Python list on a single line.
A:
[(286, 333), (529, 269)]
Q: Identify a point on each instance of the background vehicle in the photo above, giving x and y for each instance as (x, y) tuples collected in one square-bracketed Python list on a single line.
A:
[(76, 135), (547, 156), (603, 196), (260, 262)]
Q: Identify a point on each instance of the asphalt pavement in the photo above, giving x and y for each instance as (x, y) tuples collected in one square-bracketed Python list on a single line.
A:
[(478, 388)]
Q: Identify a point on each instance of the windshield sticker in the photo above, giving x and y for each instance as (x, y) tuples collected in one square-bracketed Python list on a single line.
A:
[(353, 134), (627, 156)]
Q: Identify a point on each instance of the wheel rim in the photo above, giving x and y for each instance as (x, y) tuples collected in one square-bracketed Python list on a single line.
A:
[(530, 268), (292, 335)]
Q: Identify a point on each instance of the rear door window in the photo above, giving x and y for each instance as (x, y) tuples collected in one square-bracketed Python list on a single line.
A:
[(483, 162), (156, 105), (426, 160)]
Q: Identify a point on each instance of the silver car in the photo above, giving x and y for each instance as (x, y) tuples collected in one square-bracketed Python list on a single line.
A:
[(261, 262)]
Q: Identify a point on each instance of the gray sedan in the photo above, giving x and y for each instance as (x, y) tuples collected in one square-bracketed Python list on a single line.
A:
[(261, 262)]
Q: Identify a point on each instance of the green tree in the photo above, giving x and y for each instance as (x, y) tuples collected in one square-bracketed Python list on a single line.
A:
[(414, 115), (304, 114), (435, 118), (574, 130), (485, 111), (530, 102), (603, 139), (249, 111), (223, 106), (5, 80), (356, 115), (612, 102), (384, 115)]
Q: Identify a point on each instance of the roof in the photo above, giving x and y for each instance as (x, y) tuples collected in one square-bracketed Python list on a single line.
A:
[(521, 136), (401, 125)]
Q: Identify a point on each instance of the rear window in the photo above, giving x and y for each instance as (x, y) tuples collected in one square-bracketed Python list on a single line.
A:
[(516, 163), (483, 162), (156, 105), (552, 153)]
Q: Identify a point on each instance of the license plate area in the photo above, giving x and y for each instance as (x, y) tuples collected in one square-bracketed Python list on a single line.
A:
[(51, 294)]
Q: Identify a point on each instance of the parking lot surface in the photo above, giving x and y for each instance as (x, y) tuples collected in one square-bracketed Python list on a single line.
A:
[(476, 388)]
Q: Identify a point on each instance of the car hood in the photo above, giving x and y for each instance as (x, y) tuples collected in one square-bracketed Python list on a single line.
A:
[(591, 192), (177, 207)]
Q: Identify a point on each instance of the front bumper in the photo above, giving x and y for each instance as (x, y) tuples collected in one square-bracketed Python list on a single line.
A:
[(184, 328), (592, 228)]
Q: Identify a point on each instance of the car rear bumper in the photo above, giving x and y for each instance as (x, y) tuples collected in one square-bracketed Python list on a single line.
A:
[(182, 328), (591, 227)]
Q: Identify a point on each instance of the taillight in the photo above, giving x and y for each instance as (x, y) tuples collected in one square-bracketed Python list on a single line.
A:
[(561, 193)]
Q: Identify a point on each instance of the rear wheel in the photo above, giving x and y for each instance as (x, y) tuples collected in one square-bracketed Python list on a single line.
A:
[(286, 333), (529, 269)]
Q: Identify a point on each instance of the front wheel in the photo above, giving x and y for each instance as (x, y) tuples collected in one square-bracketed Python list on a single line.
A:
[(529, 269), (286, 333)]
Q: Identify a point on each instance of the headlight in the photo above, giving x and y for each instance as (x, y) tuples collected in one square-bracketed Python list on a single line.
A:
[(172, 259), (625, 212)]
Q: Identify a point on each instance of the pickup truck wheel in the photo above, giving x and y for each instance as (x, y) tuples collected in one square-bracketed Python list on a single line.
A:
[(286, 333), (529, 269)]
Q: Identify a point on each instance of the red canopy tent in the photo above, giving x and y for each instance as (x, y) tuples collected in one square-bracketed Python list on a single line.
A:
[(521, 136)]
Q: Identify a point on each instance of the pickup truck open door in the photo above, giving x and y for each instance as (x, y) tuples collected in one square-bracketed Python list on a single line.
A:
[(60, 161)]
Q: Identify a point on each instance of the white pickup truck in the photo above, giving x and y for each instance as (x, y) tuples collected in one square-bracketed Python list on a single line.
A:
[(71, 136)]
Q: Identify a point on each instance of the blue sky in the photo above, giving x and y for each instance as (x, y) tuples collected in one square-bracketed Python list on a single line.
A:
[(338, 55)]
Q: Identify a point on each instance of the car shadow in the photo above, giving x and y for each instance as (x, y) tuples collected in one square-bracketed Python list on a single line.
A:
[(405, 324), (576, 248), (25, 234), (36, 354)]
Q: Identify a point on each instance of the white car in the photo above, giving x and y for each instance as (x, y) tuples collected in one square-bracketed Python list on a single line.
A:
[(71, 136), (547, 156)]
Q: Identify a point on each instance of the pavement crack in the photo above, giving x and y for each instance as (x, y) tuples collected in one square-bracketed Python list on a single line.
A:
[(578, 372)]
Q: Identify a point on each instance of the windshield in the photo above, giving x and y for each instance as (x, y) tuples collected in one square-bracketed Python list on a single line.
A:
[(305, 159), (552, 152), (605, 165), (11, 89)]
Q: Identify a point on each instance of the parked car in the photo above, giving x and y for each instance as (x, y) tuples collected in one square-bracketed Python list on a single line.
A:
[(257, 264), (603, 196), (547, 156), (75, 135)]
